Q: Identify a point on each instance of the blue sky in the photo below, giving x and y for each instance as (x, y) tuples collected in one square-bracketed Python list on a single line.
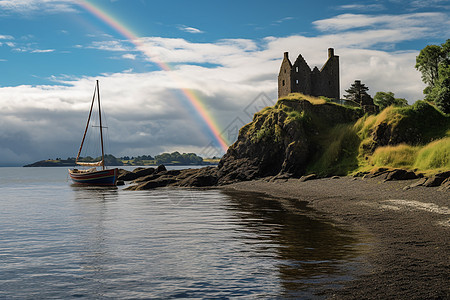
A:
[(228, 52)]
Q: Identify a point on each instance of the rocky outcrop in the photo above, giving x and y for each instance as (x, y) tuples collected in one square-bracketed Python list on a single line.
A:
[(186, 178), (441, 179), (297, 137), (279, 140), (136, 173), (389, 174)]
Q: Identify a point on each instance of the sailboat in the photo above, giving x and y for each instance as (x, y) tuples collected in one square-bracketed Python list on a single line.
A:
[(93, 176)]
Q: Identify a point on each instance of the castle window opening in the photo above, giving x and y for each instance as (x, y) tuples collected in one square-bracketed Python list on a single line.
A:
[(296, 69), (296, 81), (283, 82)]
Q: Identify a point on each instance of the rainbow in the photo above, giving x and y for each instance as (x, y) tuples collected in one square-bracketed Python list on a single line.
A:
[(193, 100)]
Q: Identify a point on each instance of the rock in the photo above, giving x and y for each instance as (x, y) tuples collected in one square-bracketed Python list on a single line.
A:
[(445, 185), (420, 182), (188, 177), (160, 168), (158, 182), (308, 177), (282, 176), (377, 172), (444, 174), (203, 177), (147, 178), (360, 174), (136, 173), (144, 171), (435, 180), (441, 179), (400, 174), (120, 182), (125, 175), (155, 175), (335, 177)]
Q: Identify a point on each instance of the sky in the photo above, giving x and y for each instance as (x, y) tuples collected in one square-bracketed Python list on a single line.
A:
[(186, 75)]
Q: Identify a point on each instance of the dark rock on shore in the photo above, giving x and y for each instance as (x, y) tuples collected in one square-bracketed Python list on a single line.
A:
[(308, 177), (136, 173), (187, 178), (441, 179), (392, 174)]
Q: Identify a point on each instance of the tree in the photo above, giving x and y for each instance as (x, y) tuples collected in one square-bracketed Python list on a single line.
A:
[(428, 63), (357, 93), (434, 63), (442, 90), (383, 100)]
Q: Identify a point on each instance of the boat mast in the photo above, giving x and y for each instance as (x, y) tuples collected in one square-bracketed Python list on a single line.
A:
[(87, 126), (101, 128)]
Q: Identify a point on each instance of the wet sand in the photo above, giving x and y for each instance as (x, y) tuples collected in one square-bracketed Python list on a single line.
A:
[(409, 252)]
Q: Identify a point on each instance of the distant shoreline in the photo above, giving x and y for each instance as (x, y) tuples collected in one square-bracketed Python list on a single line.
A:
[(46, 163)]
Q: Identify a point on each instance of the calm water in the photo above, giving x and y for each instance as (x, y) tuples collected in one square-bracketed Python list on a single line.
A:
[(61, 241)]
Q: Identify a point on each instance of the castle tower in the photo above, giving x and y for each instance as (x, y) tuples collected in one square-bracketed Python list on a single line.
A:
[(298, 78), (284, 77)]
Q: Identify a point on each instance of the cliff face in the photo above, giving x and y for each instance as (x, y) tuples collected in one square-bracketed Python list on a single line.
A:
[(282, 139)]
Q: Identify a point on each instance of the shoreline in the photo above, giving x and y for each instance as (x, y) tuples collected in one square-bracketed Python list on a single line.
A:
[(410, 253)]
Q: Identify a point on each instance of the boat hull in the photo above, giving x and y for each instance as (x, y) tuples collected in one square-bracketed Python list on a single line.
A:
[(103, 177)]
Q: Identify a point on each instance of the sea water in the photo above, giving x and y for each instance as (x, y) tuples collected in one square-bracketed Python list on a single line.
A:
[(60, 241)]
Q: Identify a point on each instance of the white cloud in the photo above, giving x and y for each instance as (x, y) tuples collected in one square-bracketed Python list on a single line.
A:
[(283, 20), (36, 6), (110, 45), (362, 7), (418, 4), (404, 23), (129, 56), (189, 29), (6, 37), (42, 50)]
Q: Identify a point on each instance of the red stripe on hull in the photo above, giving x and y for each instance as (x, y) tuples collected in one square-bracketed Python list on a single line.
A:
[(104, 177)]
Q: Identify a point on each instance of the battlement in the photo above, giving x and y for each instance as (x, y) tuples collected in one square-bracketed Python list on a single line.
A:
[(298, 77)]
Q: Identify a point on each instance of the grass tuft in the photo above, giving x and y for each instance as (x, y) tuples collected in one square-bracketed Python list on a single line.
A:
[(399, 156), (435, 155)]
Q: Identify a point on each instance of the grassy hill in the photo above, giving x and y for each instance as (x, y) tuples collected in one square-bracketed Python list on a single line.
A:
[(302, 135)]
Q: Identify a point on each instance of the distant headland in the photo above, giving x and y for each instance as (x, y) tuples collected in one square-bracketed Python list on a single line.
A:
[(170, 159)]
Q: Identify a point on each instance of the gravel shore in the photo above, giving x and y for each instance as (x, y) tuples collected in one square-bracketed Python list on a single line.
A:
[(409, 257)]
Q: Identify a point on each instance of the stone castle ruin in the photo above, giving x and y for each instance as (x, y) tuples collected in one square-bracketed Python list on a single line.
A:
[(298, 77)]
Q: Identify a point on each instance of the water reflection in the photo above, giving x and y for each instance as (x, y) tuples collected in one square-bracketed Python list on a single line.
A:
[(94, 258), (158, 244), (310, 249)]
